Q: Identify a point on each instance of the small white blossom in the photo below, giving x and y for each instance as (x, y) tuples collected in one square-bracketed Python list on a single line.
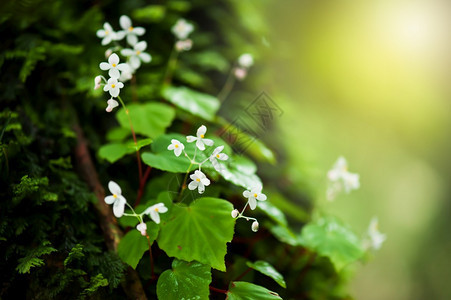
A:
[(240, 73), (113, 66), (154, 211), (341, 179), (97, 82), (129, 31), (235, 213), (375, 238), (111, 104), (113, 86), (246, 60), (253, 195), (199, 138), (217, 155), (254, 226), (142, 227), (200, 181), (176, 146), (182, 29), (108, 53), (137, 54), (107, 34), (183, 45), (116, 199)]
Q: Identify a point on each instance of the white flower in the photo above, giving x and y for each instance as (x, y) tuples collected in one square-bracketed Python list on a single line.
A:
[(235, 213), (97, 82), (200, 140), (182, 29), (218, 155), (183, 45), (340, 167), (116, 199), (129, 31), (199, 181), (351, 181), (108, 53), (142, 227), (107, 34), (176, 146), (253, 195), (240, 73), (127, 73), (246, 60), (111, 104), (154, 211), (113, 87), (375, 238), (137, 54), (254, 226), (341, 179), (113, 66)]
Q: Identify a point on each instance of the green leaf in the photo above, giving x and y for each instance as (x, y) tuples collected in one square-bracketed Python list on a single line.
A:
[(283, 234), (133, 245), (114, 151), (241, 172), (139, 144), (331, 238), (150, 119), (118, 134), (199, 232), (209, 60), (240, 290), (273, 212), (199, 104), (184, 281), (150, 14), (267, 269)]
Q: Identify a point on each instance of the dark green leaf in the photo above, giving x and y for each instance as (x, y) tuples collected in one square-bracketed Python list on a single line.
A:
[(240, 290), (185, 281), (267, 269), (199, 232)]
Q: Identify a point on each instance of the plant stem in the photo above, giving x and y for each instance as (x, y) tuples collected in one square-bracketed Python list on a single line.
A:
[(217, 290), (227, 88), (171, 66), (183, 187), (142, 184), (243, 274), (138, 157)]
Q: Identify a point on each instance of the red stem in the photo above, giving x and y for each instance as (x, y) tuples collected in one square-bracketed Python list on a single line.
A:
[(243, 274), (142, 184), (151, 258), (217, 290)]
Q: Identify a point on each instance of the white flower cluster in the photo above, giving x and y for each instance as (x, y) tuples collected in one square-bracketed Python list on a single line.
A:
[(374, 238), (252, 196), (120, 72), (339, 178), (182, 30), (245, 61), (199, 179), (119, 203)]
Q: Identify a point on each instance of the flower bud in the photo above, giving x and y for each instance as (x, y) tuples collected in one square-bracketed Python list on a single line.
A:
[(240, 73), (255, 226), (111, 104), (235, 213), (97, 81), (184, 45), (142, 227), (108, 52), (246, 60)]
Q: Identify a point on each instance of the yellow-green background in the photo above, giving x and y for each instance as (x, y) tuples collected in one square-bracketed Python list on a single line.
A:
[(370, 80)]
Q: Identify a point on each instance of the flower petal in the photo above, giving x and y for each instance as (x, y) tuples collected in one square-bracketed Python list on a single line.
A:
[(205, 181), (127, 52), (109, 199), (252, 203), (125, 22), (208, 142), (192, 185), (246, 194), (100, 33), (132, 39), (114, 188), (261, 197), (119, 207), (135, 62), (104, 66), (141, 46), (114, 73), (191, 138), (155, 216), (145, 57), (113, 59), (139, 30), (201, 130), (178, 151), (200, 144)]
